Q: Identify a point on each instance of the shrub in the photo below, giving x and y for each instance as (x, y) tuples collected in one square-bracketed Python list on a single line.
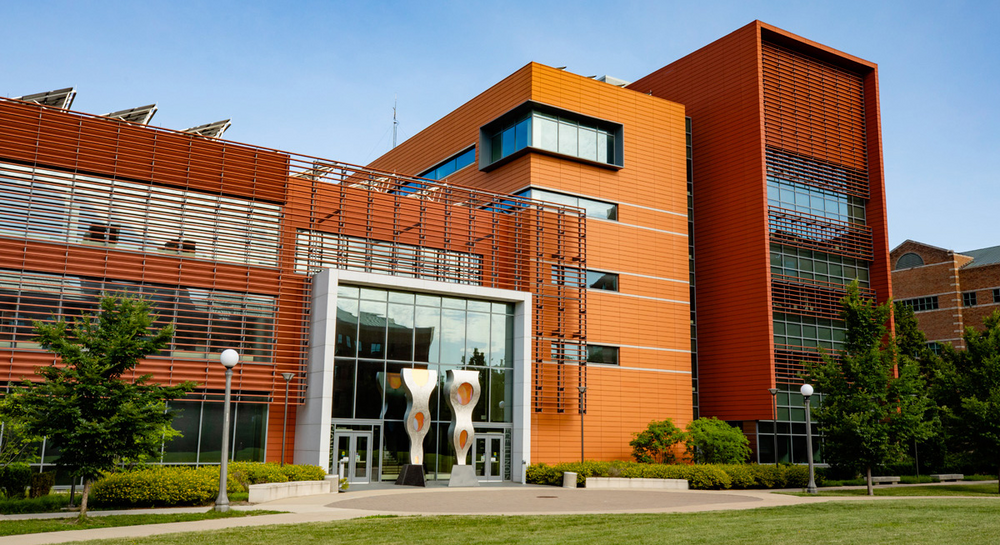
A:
[(41, 483), (655, 444), (303, 472), (248, 473), (175, 485), (14, 479), (44, 504), (699, 477), (160, 486), (712, 441)]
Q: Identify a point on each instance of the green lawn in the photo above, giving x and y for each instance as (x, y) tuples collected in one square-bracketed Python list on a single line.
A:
[(909, 522), (35, 526), (989, 489)]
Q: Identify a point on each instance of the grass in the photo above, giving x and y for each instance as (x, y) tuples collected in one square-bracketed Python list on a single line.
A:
[(53, 503), (909, 522), (989, 489), (34, 526)]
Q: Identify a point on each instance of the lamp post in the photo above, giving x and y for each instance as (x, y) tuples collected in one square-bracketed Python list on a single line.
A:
[(774, 414), (807, 391), (229, 359), (284, 423)]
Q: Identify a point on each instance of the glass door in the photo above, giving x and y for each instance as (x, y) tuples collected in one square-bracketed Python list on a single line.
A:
[(354, 454), (488, 454)]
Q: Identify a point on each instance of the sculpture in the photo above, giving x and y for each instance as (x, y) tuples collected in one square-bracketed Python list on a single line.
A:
[(463, 391), (418, 385)]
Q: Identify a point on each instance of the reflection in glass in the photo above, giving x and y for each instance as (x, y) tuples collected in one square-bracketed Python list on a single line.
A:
[(371, 336), (347, 327), (400, 336), (427, 334), (368, 396), (452, 336), (501, 395), (343, 388), (477, 337), (187, 420)]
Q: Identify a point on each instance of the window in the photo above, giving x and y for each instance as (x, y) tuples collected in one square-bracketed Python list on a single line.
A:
[(571, 276), (593, 209), (920, 304), (996, 295), (607, 355), (102, 233), (545, 128), (451, 165), (909, 260), (969, 299), (935, 347), (597, 280)]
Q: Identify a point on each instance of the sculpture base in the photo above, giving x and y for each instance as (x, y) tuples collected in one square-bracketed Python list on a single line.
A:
[(411, 475), (463, 476)]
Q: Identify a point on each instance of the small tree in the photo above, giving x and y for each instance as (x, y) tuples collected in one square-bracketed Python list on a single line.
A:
[(83, 405), (977, 385), (712, 441), (875, 401), (17, 443), (654, 445)]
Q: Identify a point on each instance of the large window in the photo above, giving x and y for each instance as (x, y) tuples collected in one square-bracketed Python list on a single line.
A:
[(812, 200), (545, 128), (380, 332), (65, 207), (593, 208), (205, 321), (451, 165), (315, 250)]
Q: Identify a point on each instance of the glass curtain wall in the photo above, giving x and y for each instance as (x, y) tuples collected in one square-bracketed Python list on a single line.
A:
[(381, 332)]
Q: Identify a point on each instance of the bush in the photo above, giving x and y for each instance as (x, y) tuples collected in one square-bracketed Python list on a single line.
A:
[(160, 486), (42, 483), (149, 486), (44, 504), (655, 444), (303, 472), (14, 479), (712, 441), (699, 477)]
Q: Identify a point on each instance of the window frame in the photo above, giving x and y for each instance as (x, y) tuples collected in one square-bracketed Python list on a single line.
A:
[(603, 274), (969, 299)]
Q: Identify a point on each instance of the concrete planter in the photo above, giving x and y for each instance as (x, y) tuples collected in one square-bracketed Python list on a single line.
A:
[(260, 493), (624, 483)]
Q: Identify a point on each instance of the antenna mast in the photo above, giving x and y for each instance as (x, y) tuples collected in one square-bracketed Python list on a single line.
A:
[(394, 122)]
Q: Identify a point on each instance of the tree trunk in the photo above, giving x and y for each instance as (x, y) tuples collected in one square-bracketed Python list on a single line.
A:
[(871, 491), (83, 500)]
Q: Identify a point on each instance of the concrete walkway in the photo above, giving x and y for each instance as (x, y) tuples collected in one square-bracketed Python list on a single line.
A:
[(508, 499)]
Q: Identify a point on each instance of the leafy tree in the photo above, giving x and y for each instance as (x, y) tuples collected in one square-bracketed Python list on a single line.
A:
[(17, 443), (975, 380), (654, 445), (83, 405), (712, 441), (875, 403)]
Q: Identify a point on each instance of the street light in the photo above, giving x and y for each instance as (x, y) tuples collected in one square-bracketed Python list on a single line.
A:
[(229, 359), (284, 423), (807, 391), (774, 414)]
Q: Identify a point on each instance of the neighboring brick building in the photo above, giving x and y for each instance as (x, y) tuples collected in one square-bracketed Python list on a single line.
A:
[(948, 290)]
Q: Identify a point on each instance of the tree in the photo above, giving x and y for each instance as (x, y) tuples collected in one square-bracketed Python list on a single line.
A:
[(654, 445), (712, 441), (83, 405), (976, 384), (874, 401), (17, 443)]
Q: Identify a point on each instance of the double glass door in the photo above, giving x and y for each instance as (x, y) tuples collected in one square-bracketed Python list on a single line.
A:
[(488, 455), (354, 451)]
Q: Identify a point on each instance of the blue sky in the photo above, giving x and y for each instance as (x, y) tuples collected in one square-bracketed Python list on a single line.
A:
[(319, 78)]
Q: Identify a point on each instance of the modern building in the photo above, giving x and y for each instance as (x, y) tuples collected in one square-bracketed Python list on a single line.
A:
[(553, 233), (947, 290)]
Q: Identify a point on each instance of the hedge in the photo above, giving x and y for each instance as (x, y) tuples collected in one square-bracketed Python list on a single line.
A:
[(149, 486), (699, 477)]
